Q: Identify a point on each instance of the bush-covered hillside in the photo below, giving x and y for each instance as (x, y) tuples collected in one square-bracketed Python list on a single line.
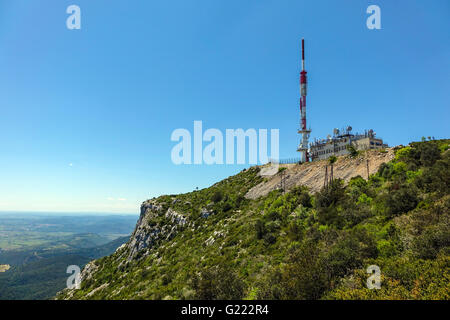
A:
[(216, 244)]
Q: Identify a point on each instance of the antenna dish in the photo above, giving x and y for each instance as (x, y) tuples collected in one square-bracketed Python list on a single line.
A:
[(349, 128)]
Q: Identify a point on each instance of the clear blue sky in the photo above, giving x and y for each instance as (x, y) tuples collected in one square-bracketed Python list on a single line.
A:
[(86, 115)]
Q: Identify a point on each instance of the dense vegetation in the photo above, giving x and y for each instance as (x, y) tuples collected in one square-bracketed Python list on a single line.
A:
[(296, 245)]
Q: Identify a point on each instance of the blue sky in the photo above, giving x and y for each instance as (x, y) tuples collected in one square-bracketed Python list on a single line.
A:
[(86, 115)]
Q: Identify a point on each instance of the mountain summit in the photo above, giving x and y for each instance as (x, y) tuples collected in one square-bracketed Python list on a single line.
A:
[(295, 235)]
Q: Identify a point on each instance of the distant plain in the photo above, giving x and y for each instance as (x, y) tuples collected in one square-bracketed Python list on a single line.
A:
[(39, 246)]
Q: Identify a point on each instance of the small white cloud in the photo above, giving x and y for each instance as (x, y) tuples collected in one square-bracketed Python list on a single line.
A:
[(71, 164), (114, 199)]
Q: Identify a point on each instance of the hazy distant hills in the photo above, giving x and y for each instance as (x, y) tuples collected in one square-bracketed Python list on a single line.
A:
[(43, 276), (40, 248)]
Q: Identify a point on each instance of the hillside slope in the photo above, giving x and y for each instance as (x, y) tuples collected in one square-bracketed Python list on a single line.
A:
[(229, 241), (312, 174)]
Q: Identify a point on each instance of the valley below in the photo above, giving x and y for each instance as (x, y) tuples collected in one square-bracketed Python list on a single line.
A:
[(37, 248)]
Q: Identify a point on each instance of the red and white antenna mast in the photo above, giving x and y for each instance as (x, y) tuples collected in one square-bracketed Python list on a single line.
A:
[(303, 147)]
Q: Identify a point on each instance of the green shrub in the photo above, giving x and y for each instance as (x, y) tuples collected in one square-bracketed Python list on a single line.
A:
[(218, 283), (401, 200), (353, 152), (260, 229), (217, 196), (432, 241), (302, 277)]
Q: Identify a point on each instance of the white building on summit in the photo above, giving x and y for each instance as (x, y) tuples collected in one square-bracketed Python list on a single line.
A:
[(339, 144)]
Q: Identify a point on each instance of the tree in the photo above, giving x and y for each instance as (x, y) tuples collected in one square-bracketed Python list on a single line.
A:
[(353, 152), (218, 283), (331, 161), (331, 195), (328, 200), (429, 153), (217, 196), (437, 177), (401, 200), (349, 253), (302, 277)]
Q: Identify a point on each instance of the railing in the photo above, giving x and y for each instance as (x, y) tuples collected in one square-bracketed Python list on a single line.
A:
[(286, 160)]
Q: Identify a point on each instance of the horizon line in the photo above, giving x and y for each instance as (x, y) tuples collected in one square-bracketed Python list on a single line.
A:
[(69, 212)]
